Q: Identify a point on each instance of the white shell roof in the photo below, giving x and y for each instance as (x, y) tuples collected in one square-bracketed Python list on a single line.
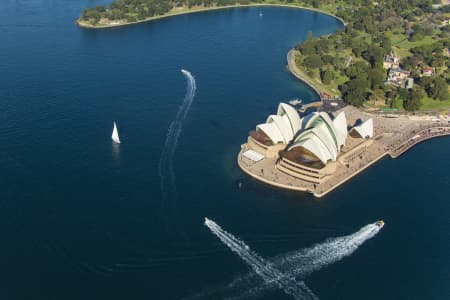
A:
[(315, 146), (283, 125), (272, 131), (365, 130), (322, 136), (294, 117), (340, 123)]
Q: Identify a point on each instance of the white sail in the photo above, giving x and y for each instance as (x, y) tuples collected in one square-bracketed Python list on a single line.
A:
[(115, 134)]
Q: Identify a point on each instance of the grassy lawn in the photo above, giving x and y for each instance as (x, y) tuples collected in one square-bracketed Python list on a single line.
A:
[(408, 45), (339, 78), (401, 52), (401, 45), (431, 104), (400, 41)]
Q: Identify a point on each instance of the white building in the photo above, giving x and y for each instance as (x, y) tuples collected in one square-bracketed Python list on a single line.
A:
[(364, 130), (279, 128), (321, 139)]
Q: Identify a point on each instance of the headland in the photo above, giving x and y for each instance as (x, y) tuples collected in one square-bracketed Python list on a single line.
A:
[(375, 100), (392, 136)]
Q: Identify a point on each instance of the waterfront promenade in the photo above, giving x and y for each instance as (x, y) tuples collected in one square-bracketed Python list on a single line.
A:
[(392, 137)]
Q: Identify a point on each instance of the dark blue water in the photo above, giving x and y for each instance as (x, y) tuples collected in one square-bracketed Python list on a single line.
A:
[(81, 219)]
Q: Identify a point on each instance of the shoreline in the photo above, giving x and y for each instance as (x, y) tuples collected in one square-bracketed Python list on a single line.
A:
[(293, 69), (84, 25), (393, 147)]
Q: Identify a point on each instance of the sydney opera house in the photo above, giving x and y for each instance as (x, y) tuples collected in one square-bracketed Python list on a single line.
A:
[(305, 148)]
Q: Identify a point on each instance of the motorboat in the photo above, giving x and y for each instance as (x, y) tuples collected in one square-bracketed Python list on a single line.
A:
[(380, 223)]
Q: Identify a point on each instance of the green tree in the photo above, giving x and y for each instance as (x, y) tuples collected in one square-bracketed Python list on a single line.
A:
[(413, 99), (328, 59), (358, 69), (326, 76), (386, 44), (374, 55), (439, 89), (376, 77), (313, 61), (354, 91)]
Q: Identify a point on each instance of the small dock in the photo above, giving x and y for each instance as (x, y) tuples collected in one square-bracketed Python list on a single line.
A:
[(305, 107)]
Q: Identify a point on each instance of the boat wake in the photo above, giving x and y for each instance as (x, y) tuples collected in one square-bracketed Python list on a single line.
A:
[(264, 269), (295, 265), (166, 172)]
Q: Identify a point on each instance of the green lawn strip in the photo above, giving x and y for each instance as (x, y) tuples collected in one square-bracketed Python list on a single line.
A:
[(432, 104)]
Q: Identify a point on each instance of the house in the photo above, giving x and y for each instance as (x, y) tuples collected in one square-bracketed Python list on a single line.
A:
[(391, 61), (427, 71), (399, 78), (398, 74)]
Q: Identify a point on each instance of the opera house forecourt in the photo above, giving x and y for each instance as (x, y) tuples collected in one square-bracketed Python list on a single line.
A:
[(319, 151)]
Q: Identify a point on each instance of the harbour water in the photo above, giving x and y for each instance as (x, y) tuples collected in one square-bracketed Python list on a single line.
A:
[(83, 218)]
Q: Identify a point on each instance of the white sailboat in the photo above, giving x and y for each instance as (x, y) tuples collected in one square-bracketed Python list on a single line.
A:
[(260, 14), (115, 134)]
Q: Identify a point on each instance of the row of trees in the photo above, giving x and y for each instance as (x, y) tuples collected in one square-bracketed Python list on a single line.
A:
[(130, 10), (133, 10)]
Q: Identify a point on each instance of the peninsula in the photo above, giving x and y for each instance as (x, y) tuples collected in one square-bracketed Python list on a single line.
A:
[(126, 12), (378, 97), (320, 151)]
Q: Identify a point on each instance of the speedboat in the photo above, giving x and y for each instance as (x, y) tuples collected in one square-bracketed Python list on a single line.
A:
[(380, 223)]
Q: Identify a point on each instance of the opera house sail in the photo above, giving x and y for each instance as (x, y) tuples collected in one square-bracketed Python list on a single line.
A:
[(279, 128)]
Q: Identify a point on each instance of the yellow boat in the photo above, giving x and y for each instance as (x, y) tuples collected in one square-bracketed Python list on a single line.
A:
[(380, 223)]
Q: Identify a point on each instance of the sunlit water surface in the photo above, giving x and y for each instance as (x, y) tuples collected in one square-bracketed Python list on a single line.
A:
[(81, 218)]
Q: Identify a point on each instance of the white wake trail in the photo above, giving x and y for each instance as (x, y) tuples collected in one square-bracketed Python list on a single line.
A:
[(264, 269), (303, 262), (173, 133), (299, 264), (295, 264)]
